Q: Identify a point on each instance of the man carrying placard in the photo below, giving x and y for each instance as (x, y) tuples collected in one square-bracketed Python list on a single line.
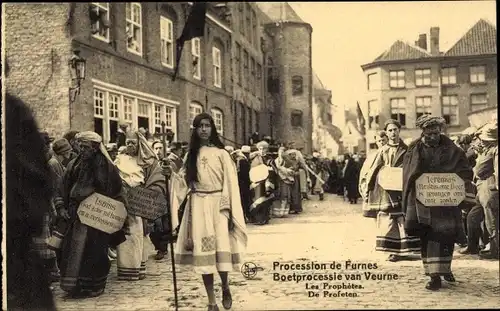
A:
[(384, 196), (436, 175)]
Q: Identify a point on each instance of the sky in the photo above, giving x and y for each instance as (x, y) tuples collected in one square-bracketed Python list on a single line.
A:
[(349, 34)]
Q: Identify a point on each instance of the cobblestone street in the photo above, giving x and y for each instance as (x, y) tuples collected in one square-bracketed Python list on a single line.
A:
[(326, 232)]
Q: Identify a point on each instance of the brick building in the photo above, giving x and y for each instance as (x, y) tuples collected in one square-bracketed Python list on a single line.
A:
[(130, 54), (408, 80)]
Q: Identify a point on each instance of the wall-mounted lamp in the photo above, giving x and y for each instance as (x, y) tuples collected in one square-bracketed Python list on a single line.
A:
[(77, 66)]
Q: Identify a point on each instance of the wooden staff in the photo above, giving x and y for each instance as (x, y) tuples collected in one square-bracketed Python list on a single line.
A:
[(169, 217)]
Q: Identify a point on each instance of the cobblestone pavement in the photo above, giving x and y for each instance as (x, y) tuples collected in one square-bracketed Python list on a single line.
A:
[(329, 232)]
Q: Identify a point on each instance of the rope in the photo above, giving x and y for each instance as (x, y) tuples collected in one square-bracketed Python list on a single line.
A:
[(231, 141)]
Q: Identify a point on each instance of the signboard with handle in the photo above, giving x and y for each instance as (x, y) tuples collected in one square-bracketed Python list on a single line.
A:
[(440, 189)]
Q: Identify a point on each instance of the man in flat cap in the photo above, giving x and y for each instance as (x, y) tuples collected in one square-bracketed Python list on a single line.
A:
[(438, 227), (61, 155), (487, 186)]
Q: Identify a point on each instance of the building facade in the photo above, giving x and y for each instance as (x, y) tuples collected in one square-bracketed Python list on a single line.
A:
[(247, 74), (407, 81), (130, 52), (325, 136)]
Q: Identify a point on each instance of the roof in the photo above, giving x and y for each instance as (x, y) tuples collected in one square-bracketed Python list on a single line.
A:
[(479, 40), (279, 11), (402, 51), (317, 84)]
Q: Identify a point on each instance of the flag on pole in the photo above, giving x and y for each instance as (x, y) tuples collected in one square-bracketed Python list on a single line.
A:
[(194, 28), (360, 119)]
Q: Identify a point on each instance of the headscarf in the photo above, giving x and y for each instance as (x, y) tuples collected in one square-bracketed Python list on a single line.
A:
[(229, 149), (262, 144), (426, 121), (95, 138), (145, 153)]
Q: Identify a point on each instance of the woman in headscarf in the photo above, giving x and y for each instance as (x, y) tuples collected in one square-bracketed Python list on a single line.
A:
[(84, 255), (212, 233), (139, 167), (438, 227)]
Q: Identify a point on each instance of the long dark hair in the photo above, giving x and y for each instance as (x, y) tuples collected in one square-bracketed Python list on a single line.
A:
[(195, 145)]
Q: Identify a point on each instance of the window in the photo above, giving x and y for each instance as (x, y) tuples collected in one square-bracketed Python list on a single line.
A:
[(100, 20), (397, 79), (296, 118), (127, 110), (216, 60), (477, 74), (253, 78), (423, 105), (254, 29), (194, 110), (398, 110), (113, 117), (196, 53), (143, 114), (450, 109), (373, 82), (99, 112), (237, 60), (167, 42), (250, 120), (134, 27), (246, 69), (248, 25), (241, 8), (449, 76), (373, 114), (297, 88), (422, 77), (257, 120), (478, 101), (218, 120), (113, 106), (163, 113), (259, 80)]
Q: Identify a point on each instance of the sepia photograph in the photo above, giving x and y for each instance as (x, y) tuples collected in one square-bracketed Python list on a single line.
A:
[(248, 156)]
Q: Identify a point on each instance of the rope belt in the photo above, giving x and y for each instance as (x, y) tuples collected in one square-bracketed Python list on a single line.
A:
[(206, 191)]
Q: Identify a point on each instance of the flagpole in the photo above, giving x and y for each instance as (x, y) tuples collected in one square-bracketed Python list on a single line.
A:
[(169, 218)]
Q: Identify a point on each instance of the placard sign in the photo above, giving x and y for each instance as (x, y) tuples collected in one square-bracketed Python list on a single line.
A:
[(391, 178), (440, 189), (102, 213), (146, 203)]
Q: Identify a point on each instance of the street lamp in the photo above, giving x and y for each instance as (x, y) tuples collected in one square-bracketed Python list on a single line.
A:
[(77, 66)]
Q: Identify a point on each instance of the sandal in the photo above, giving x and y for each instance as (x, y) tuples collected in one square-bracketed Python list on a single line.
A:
[(227, 300)]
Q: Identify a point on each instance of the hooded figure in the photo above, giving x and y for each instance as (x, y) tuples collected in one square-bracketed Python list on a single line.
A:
[(84, 253), (139, 167)]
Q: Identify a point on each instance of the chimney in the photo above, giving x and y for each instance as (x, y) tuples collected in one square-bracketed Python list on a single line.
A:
[(422, 41), (434, 42)]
